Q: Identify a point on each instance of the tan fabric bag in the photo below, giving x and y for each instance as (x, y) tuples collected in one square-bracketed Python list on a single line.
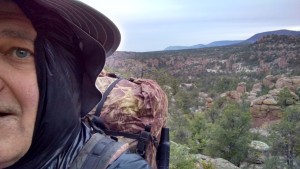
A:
[(131, 107)]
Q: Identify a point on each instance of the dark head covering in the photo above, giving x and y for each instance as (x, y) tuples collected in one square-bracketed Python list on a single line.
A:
[(72, 43), (98, 36)]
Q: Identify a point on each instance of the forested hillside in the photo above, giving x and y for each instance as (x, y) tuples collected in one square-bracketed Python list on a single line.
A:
[(250, 63), (223, 100)]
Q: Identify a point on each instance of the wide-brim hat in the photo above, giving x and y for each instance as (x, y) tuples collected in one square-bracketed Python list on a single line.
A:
[(89, 23), (99, 38)]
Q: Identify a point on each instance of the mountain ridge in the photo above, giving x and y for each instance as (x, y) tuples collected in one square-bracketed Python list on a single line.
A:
[(258, 36), (250, 40)]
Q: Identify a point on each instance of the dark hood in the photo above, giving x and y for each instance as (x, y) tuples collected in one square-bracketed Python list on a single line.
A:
[(61, 75)]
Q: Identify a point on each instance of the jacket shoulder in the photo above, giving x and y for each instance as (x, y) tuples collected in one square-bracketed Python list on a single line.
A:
[(129, 161)]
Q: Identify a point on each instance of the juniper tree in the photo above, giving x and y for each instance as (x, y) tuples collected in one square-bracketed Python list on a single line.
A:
[(230, 135), (285, 136)]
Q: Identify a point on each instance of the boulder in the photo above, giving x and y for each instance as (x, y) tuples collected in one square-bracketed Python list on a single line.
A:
[(274, 107), (186, 85), (296, 81), (259, 145), (208, 102), (223, 95), (241, 88), (274, 92), (258, 152), (252, 94), (279, 83), (256, 111), (256, 87), (259, 114), (256, 107), (218, 163), (284, 82), (234, 95), (270, 101), (251, 97), (258, 101), (246, 165), (276, 114), (268, 81), (264, 109), (203, 95), (295, 96)]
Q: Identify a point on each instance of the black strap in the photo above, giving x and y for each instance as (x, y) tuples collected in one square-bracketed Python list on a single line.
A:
[(143, 139), (104, 96), (119, 133)]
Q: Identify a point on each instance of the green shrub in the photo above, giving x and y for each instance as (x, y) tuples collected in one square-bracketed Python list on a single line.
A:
[(180, 157), (229, 136), (207, 165), (285, 98), (264, 91)]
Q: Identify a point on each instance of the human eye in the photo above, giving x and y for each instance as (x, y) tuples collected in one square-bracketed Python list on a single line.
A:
[(19, 57), (20, 52)]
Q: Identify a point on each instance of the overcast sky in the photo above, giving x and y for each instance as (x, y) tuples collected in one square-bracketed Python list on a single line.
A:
[(151, 25)]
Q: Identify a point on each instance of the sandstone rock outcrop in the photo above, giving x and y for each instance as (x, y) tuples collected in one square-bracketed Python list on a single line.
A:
[(268, 81), (241, 88), (236, 95), (259, 152), (233, 95), (284, 82), (264, 109), (218, 163), (296, 81), (257, 87), (208, 102), (279, 82)]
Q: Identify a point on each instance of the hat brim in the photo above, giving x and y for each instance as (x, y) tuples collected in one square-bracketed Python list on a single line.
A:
[(87, 21)]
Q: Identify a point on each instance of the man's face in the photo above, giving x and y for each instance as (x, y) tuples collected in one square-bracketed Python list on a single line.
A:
[(18, 83)]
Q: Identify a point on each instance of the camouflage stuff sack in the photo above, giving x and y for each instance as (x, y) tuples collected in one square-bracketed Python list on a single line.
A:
[(133, 107)]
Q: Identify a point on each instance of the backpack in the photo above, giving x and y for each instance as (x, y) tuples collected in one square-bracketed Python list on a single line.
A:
[(98, 153), (133, 111)]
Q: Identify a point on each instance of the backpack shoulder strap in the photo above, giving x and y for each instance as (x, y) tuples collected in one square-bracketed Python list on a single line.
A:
[(104, 96), (98, 153)]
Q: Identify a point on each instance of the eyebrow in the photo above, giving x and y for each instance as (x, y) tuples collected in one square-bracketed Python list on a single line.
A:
[(16, 34)]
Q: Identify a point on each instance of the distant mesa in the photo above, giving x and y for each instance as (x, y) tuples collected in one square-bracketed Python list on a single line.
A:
[(251, 40), (185, 47), (258, 36), (213, 44), (223, 43)]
